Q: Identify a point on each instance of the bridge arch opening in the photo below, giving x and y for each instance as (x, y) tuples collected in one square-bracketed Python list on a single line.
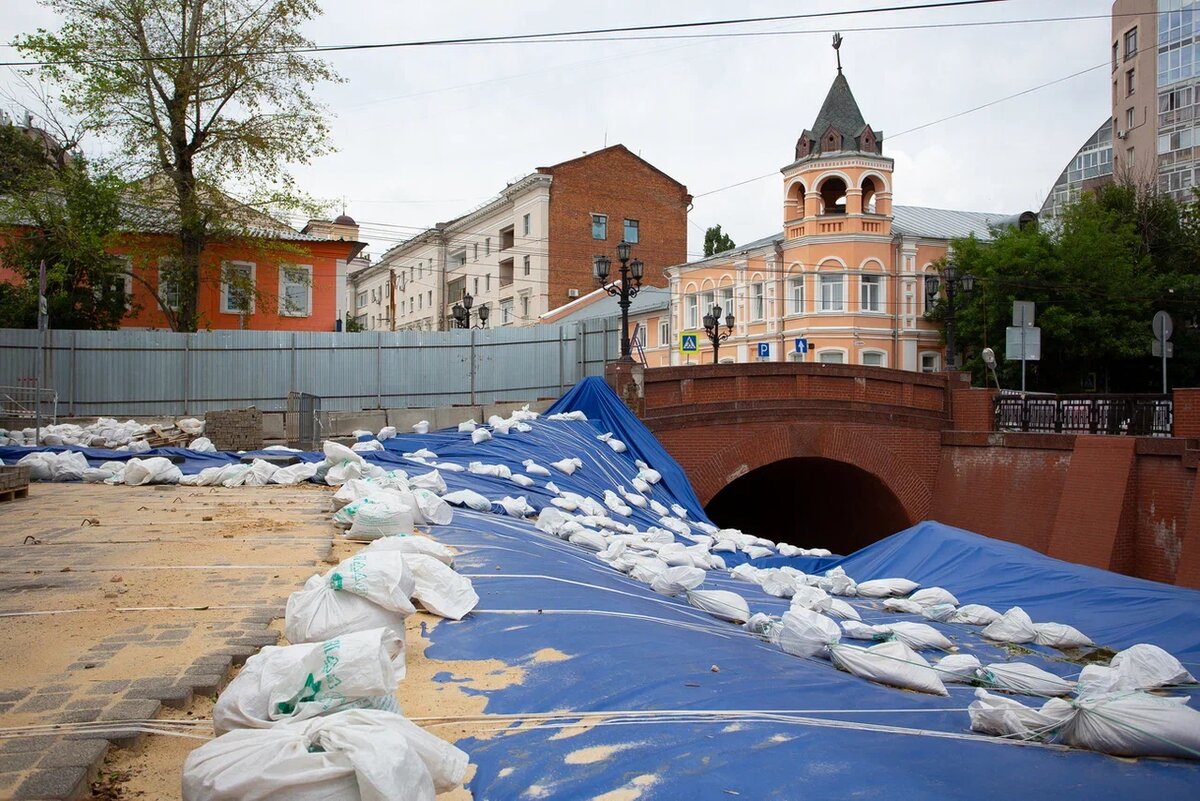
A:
[(810, 502)]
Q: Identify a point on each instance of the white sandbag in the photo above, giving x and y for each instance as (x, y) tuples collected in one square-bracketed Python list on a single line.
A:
[(469, 499), (646, 569), (521, 480), (467, 426), (386, 433), (421, 427), (1132, 724), (155, 470), (840, 609), (1013, 626), (614, 502), (807, 633), (1024, 678), (839, 582), (811, 598), (202, 445), (296, 682), (884, 588), (1005, 717), (480, 435), (903, 605), (381, 520), (40, 464), (892, 663), (294, 473), (428, 508), (679, 511), (943, 613), (516, 507), (367, 446), (722, 604), (975, 615), (107, 470), (439, 589), (358, 754), (649, 475), (356, 490), (633, 499), (857, 630), (494, 470), (336, 453), (928, 596), (757, 551), (258, 474), (958, 668), (920, 636), (535, 469), (1059, 635), (677, 580), (319, 612), (777, 583), (658, 508), (70, 466), (640, 485), (381, 577), (344, 471), (568, 466), (1146, 666), (190, 426), (617, 445), (592, 541), (414, 545), (431, 481)]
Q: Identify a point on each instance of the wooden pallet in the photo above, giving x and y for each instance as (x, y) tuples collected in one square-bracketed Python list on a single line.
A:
[(14, 494)]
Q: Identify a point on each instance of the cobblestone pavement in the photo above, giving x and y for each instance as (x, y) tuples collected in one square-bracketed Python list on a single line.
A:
[(115, 601)]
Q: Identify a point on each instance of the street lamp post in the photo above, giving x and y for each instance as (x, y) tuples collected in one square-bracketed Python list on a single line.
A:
[(462, 313), (712, 327), (623, 290), (955, 285)]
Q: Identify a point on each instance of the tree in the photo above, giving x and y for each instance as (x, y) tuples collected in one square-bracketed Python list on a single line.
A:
[(353, 326), (193, 92), (68, 217), (716, 242), (1097, 277)]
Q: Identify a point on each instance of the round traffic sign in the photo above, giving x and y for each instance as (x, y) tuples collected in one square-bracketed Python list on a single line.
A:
[(1162, 325)]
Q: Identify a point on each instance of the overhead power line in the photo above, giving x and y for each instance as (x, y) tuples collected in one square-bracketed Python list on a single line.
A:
[(574, 35)]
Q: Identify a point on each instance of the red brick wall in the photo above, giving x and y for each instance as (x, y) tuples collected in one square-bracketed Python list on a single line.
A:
[(972, 409), (1187, 412), (617, 183)]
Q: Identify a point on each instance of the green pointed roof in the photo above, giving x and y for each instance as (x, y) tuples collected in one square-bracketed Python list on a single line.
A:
[(841, 113)]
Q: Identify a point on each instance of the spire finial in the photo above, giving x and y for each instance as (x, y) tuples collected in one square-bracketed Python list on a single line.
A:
[(837, 48)]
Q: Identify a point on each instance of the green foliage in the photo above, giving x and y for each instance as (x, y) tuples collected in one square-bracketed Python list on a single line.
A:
[(195, 93), (1097, 276), (716, 242), (20, 157), (69, 217), (353, 326)]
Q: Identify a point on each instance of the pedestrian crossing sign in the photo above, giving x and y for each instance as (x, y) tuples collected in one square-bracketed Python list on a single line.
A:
[(689, 343)]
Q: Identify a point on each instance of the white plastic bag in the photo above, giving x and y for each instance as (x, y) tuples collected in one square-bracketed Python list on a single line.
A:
[(155, 470), (202, 445), (294, 473), (386, 433), (958, 668), (892, 663), (807, 633), (1024, 678), (516, 507), (319, 612), (722, 604), (975, 615), (295, 682), (1058, 635), (1013, 626), (920, 636), (439, 589), (1146, 666), (480, 435), (568, 466), (381, 520), (885, 588), (1005, 717), (929, 596), (356, 755), (414, 544), (381, 577), (469, 499), (677, 580), (1133, 724), (903, 606)]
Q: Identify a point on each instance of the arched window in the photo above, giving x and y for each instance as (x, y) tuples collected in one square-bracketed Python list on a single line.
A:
[(832, 356), (795, 201), (833, 196), (869, 189), (871, 288)]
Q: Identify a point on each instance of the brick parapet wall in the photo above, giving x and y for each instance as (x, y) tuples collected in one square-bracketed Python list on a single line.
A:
[(1186, 412)]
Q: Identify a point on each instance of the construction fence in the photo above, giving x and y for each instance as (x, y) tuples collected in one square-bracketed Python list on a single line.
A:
[(159, 373)]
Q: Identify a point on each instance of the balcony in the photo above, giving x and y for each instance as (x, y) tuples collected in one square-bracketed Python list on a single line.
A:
[(507, 239), (506, 272)]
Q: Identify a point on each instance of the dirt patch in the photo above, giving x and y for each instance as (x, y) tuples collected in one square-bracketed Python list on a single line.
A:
[(597, 753), (549, 655), (631, 791), (154, 768)]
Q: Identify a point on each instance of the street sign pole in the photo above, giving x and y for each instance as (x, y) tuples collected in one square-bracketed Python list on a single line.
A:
[(1022, 349), (43, 325), (1163, 326)]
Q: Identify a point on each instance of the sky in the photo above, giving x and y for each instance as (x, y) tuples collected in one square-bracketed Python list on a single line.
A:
[(425, 134)]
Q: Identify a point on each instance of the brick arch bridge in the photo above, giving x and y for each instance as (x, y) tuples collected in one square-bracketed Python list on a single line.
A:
[(758, 440), (845, 455)]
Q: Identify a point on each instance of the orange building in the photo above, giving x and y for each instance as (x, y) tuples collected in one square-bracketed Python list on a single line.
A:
[(841, 282), (289, 280)]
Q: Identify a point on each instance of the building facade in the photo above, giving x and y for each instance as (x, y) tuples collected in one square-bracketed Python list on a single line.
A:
[(1090, 168), (842, 281), (529, 249)]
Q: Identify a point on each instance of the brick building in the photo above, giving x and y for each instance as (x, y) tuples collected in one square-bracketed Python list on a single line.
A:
[(530, 248)]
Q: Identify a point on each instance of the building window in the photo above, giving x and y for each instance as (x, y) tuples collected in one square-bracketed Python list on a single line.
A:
[(691, 319), (831, 357), (757, 304), (1129, 156), (506, 311), (795, 296), (525, 265), (1116, 54), (525, 225), (664, 332), (874, 358), (476, 285), (420, 299), (361, 300), (429, 302), (1129, 119), (599, 226), (707, 301), (295, 290), (525, 307), (410, 305), (870, 293), (725, 298), (476, 256), (631, 231), (487, 246), (832, 293), (168, 282), (1131, 42), (1130, 83), (487, 282), (930, 362), (237, 288)]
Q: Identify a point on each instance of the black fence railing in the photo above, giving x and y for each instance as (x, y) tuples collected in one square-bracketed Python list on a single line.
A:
[(1132, 415)]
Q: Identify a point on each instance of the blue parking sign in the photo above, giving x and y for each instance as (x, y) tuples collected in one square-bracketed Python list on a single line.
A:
[(764, 350), (801, 346)]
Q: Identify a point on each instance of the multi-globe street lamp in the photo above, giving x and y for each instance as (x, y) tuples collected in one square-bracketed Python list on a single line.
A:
[(462, 313), (624, 289), (955, 285), (712, 327)]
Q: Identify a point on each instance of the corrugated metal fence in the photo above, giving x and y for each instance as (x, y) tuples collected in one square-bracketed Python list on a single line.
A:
[(164, 373)]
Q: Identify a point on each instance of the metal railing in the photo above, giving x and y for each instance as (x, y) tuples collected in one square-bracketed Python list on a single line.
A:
[(23, 401), (1130, 415)]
